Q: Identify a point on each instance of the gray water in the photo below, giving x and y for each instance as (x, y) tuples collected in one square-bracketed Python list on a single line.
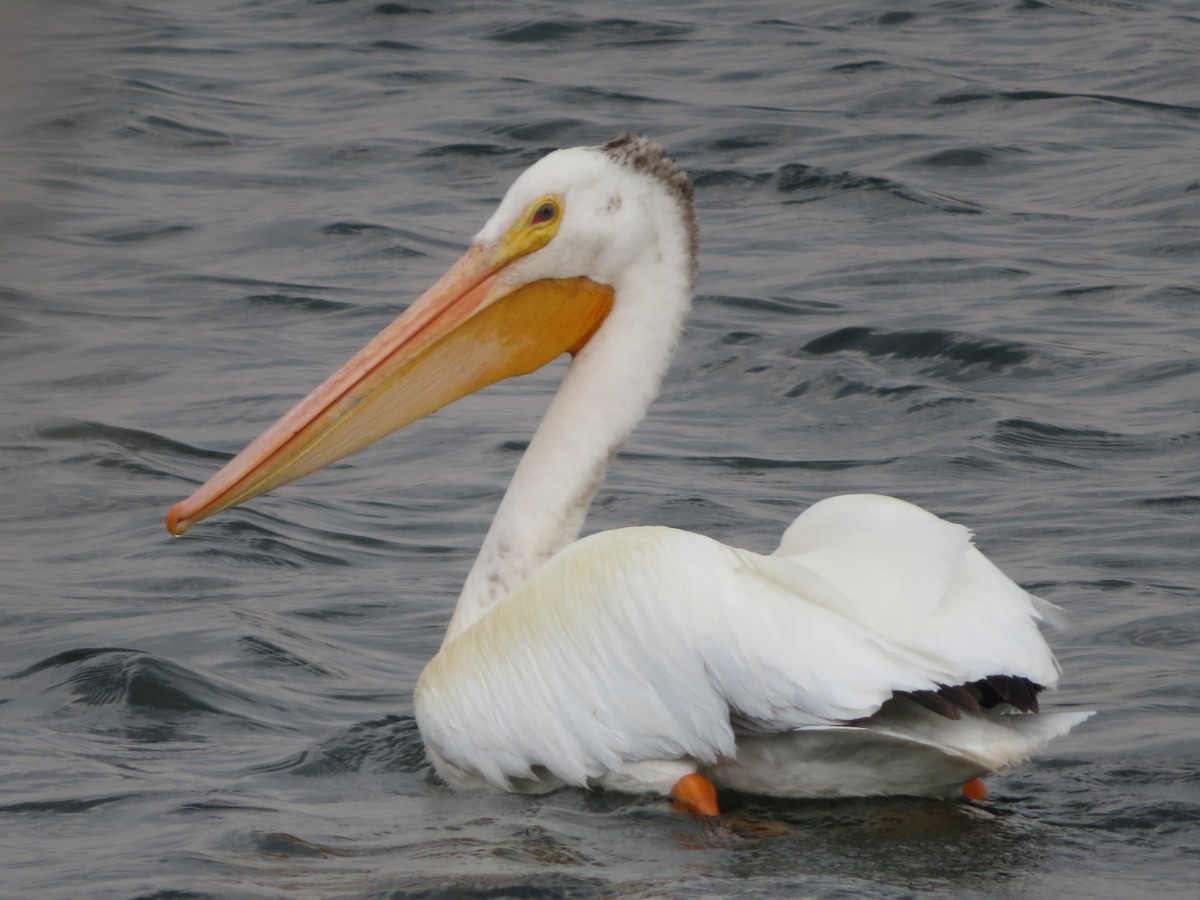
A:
[(950, 251)]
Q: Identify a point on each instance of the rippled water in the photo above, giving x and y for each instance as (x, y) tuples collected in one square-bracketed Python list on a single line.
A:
[(949, 252)]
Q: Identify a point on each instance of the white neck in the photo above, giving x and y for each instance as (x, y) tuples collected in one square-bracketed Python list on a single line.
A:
[(604, 395)]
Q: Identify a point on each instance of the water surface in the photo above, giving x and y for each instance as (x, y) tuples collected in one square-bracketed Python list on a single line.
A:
[(949, 252)]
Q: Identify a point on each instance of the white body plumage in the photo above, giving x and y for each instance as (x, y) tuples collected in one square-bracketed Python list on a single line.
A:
[(636, 656)]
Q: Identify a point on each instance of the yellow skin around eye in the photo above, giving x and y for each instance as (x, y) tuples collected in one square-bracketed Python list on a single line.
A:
[(527, 235)]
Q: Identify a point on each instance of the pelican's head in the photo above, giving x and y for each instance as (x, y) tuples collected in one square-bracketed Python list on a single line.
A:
[(540, 279), (592, 212)]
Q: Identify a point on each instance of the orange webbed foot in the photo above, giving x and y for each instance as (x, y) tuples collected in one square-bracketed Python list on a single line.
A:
[(693, 793), (975, 790)]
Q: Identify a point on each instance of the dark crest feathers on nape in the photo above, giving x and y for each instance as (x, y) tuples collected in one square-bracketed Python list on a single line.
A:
[(646, 155), (643, 154)]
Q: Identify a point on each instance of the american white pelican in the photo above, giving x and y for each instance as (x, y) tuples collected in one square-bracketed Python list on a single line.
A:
[(875, 652)]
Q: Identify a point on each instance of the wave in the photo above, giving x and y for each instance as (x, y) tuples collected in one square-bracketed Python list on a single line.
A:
[(392, 743), (119, 676), (957, 352), (817, 182)]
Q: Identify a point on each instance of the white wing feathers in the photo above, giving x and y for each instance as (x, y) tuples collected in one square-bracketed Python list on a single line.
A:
[(903, 572), (639, 644)]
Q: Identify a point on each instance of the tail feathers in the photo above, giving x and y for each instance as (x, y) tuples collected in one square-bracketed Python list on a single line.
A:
[(993, 741)]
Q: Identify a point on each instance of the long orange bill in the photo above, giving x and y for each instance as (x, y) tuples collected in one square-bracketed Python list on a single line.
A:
[(472, 328)]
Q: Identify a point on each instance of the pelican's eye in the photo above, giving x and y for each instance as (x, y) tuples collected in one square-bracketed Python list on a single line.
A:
[(532, 230), (546, 211)]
